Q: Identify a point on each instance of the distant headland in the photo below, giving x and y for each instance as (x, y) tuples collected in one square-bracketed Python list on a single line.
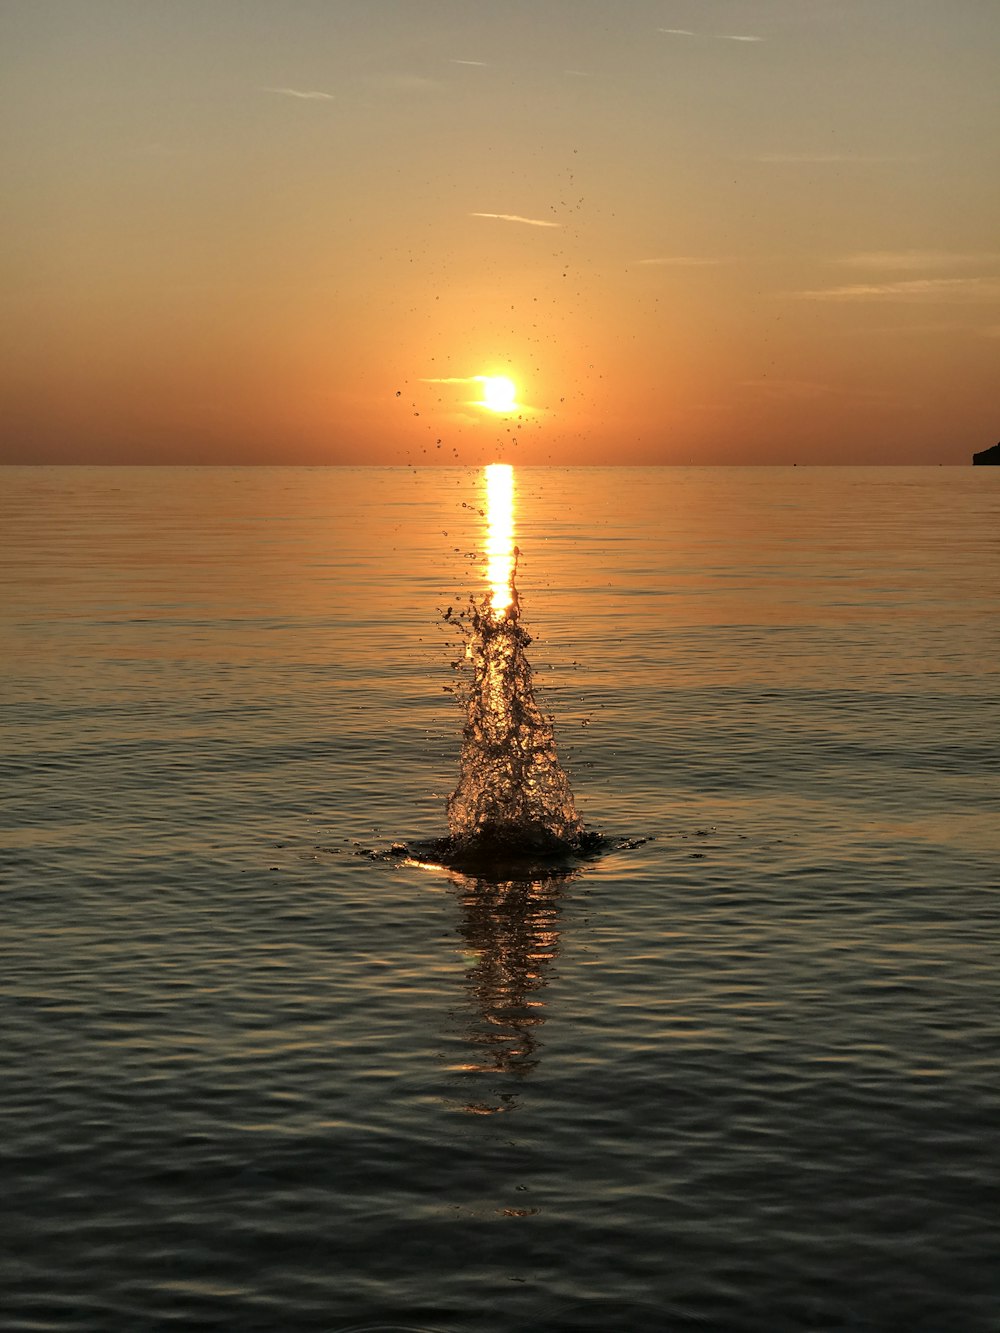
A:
[(991, 455)]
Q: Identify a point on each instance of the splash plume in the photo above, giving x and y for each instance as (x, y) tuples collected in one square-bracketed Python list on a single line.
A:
[(512, 792)]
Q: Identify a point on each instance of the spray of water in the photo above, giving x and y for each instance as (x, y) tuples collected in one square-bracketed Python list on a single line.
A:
[(512, 817), (512, 795)]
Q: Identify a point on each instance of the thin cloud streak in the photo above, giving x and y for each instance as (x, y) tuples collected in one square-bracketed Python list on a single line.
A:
[(478, 64), (514, 217), (711, 36), (682, 261), (302, 95), (908, 260), (917, 289)]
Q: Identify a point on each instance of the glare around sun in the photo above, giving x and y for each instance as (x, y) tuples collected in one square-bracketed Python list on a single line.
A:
[(499, 393)]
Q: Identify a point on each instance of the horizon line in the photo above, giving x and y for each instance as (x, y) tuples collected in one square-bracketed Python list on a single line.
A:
[(443, 466)]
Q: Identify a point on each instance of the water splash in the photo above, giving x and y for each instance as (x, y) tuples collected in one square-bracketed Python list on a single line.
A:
[(512, 818), (513, 796)]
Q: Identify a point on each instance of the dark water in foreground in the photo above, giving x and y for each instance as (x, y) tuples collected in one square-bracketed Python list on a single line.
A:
[(745, 1076)]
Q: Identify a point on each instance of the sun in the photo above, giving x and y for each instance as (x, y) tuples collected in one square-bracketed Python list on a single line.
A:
[(499, 393)]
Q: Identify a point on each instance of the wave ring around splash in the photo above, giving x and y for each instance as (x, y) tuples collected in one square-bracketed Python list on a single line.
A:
[(498, 858), (388, 1328)]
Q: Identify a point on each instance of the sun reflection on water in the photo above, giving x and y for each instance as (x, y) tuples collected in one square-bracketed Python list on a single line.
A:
[(500, 548), (510, 931)]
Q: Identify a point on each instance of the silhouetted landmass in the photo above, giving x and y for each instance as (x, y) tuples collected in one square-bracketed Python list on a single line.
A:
[(991, 455)]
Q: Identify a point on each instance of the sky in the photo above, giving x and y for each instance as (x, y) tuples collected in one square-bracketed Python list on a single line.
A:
[(687, 231)]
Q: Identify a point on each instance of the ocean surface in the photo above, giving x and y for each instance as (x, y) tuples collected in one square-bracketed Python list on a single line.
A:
[(742, 1076)]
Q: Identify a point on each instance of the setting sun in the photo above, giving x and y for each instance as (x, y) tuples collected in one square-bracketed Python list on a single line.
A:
[(499, 393)]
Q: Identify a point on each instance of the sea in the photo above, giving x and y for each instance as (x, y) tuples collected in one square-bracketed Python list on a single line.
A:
[(735, 1070)]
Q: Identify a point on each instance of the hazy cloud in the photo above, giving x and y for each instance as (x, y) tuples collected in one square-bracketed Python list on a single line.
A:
[(479, 64), (682, 261), (914, 289), (677, 32), (788, 390), (794, 159), (404, 83), (514, 217), (778, 390), (925, 328), (304, 96), (914, 259), (738, 37)]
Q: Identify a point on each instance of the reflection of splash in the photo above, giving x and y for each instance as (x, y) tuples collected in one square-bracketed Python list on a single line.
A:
[(511, 932), (512, 793)]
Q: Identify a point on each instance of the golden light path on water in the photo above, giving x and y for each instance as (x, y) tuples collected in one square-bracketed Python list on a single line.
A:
[(500, 537)]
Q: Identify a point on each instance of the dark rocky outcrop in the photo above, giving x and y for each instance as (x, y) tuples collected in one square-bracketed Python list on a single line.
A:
[(991, 455)]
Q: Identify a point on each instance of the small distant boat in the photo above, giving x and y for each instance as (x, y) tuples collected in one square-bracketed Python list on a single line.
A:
[(987, 456)]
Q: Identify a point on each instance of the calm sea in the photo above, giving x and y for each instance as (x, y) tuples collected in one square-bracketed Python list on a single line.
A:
[(744, 1076)]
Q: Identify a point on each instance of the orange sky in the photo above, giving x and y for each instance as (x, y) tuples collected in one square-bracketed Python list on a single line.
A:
[(695, 231)]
